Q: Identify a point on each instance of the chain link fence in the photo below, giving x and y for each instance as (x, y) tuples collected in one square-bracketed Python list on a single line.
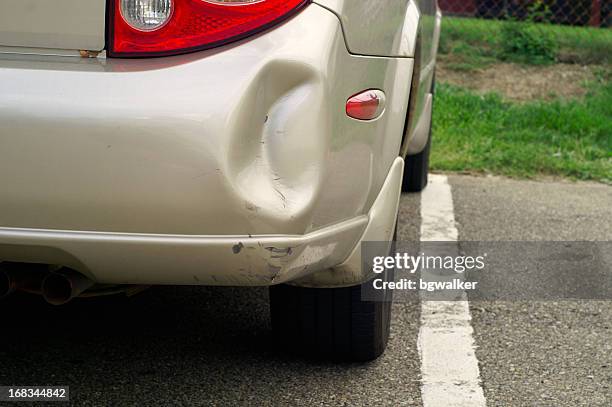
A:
[(528, 31), (595, 13)]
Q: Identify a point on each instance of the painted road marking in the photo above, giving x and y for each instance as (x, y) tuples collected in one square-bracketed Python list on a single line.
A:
[(449, 368)]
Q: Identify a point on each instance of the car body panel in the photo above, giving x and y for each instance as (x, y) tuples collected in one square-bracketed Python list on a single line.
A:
[(232, 166), (252, 260), (373, 28), (419, 122), (252, 139), (58, 24), (429, 29), (430, 26), (397, 29), (381, 228)]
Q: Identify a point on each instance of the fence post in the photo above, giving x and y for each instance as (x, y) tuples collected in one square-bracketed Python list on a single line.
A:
[(596, 14)]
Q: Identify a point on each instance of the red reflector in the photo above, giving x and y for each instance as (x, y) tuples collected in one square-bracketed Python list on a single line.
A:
[(196, 25), (367, 105)]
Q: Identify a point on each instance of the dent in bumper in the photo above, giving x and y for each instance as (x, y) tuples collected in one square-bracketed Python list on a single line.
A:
[(315, 259), (382, 220), (251, 138)]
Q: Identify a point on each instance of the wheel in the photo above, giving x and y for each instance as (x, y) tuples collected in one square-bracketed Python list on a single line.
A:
[(416, 169), (330, 323)]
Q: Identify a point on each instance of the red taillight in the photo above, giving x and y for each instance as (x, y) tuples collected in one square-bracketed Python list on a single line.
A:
[(193, 25)]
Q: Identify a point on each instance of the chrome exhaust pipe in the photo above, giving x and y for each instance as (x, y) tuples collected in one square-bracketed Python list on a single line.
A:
[(61, 286)]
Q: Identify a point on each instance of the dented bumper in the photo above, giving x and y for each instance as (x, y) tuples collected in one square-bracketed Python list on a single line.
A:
[(327, 257), (231, 166)]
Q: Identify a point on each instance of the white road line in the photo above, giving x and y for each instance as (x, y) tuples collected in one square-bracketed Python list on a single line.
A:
[(449, 369)]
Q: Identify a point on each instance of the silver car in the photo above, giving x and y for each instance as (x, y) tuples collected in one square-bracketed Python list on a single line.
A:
[(214, 142)]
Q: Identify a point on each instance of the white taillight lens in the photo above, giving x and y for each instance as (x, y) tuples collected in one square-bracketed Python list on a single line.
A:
[(146, 15)]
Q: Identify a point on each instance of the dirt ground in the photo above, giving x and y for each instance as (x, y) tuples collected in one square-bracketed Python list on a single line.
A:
[(522, 83)]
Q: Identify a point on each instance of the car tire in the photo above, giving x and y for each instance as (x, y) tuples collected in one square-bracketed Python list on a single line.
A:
[(330, 323), (416, 169)]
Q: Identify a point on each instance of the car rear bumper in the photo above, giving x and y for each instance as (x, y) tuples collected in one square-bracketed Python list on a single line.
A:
[(122, 258), (157, 165)]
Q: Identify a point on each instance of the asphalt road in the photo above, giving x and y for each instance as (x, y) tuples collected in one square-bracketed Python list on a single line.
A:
[(542, 353), (202, 346)]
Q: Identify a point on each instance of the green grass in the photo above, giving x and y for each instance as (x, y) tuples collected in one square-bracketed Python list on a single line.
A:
[(486, 134), (476, 43)]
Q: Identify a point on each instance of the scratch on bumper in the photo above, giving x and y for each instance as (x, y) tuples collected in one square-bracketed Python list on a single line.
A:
[(119, 258)]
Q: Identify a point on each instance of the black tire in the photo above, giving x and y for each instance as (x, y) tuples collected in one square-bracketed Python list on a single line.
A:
[(330, 323), (416, 169)]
